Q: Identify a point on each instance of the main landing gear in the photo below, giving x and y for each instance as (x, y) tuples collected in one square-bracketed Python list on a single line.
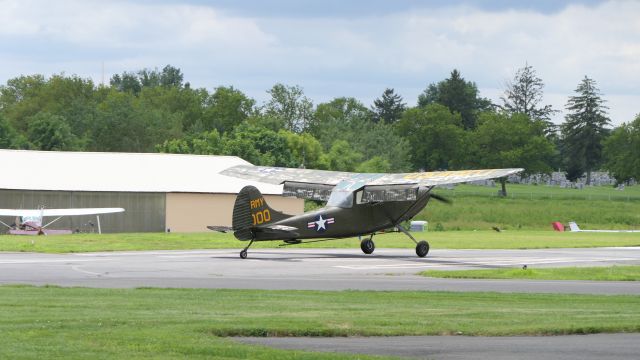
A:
[(422, 247), (367, 245)]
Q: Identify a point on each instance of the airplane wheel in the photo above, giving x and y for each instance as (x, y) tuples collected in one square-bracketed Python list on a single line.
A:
[(422, 249), (243, 254), (367, 246)]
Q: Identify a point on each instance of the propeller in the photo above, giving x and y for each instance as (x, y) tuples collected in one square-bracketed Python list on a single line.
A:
[(441, 198)]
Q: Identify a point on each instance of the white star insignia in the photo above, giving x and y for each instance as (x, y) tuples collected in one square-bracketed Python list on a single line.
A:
[(321, 223)]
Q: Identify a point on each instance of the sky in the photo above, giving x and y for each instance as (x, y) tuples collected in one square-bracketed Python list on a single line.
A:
[(335, 48)]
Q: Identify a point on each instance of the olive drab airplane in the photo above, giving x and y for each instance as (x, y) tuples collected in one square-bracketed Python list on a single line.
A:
[(30, 221), (358, 204)]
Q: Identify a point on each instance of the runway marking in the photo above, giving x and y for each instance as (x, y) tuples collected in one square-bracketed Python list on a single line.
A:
[(40, 261), (159, 253), (389, 266), (466, 263), (77, 268)]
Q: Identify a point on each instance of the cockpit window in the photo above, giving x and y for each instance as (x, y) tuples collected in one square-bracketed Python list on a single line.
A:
[(341, 198)]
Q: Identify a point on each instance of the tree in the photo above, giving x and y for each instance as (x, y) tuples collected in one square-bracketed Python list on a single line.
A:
[(204, 143), (260, 146), (503, 141), (117, 128), (8, 135), (290, 106), (305, 149), (341, 157), (524, 94), (134, 82), (584, 130), (226, 108), (459, 96), (127, 82), (50, 132), (171, 77), (388, 108), (376, 164), (349, 120), (622, 151), (435, 136), (341, 110)]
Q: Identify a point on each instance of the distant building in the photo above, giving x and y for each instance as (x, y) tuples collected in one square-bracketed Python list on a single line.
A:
[(160, 192)]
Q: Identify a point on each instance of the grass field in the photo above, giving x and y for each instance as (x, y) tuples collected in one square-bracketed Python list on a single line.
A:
[(516, 239), (470, 212), (630, 193), (611, 273), (51, 322), (527, 221)]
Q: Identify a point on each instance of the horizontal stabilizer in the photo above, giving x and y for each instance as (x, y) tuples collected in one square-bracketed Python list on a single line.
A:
[(282, 231), (222, 229)]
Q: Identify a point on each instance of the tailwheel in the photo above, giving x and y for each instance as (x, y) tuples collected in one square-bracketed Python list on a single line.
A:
[(422, 248), (367, 245), (243, 253)]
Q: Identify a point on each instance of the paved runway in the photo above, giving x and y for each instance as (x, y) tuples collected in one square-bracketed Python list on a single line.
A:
[(574, 347), (313, 269)]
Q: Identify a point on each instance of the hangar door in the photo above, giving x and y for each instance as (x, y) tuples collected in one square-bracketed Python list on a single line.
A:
[(144, 212)]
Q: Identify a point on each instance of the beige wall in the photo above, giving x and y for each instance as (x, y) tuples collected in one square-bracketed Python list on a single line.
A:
[(188, 212)]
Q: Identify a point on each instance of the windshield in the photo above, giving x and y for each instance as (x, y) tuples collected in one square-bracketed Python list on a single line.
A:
[(341, 198)]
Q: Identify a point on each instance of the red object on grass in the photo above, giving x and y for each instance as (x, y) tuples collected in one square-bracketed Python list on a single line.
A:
[(557, 226)]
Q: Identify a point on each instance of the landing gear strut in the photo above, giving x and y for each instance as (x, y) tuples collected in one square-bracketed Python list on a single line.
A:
[(367, 245), (243, 253), (422, 247)]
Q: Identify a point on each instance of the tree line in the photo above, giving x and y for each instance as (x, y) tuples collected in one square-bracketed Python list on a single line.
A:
[(451, 126)]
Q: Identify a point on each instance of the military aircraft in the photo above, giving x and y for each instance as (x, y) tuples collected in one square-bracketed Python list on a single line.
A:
[(358, 204), (30, 221)]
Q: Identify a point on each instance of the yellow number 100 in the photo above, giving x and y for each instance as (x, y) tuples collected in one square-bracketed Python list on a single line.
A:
[(261, 217)]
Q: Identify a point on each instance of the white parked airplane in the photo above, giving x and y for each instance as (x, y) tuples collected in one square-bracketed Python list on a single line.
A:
[(30, 221), (575, 228)]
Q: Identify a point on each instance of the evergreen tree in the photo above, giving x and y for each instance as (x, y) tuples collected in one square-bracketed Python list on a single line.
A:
[(388, 108), (584, 130), (459, 95), (524, 94)]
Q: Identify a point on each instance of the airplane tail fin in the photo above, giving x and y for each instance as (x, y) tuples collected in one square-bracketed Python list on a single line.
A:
[(251, 210), (573, 226)]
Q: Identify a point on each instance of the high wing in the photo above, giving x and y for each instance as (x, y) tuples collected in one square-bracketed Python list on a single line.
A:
[(278, 175), (328, 179), (58, 212)]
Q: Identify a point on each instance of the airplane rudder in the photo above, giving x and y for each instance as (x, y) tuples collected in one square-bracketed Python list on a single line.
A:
[(242, 210)]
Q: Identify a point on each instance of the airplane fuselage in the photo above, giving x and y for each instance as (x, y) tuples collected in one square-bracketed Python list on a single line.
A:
[(341, 222)]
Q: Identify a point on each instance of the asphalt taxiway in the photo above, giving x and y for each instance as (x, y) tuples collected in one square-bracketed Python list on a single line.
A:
[(573, 347), (312, 269)]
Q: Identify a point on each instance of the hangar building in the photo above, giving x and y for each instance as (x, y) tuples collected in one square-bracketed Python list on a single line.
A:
[(159, 192)]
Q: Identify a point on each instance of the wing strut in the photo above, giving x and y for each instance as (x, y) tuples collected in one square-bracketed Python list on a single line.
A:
[(51, 222), (1, 222)]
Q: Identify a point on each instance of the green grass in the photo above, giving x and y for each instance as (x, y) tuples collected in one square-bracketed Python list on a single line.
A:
[(527, 221), (52, 322), (611, 273), (516, 239), (485, 212), (549, 192)]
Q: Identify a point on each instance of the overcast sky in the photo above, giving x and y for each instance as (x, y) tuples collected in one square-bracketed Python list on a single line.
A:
[(335, 48)]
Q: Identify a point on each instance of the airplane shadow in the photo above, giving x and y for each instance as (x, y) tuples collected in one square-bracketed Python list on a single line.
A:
[(277, 256)]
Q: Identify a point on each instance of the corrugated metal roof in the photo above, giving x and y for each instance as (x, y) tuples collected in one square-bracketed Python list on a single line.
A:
[(130, 172)]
